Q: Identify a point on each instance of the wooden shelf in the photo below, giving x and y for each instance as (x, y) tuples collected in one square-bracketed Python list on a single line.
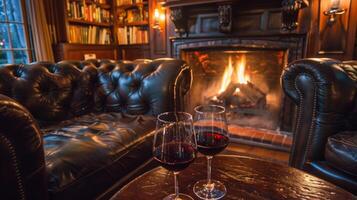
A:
[(138, 23), (134, 45), (134, 5), (84, 44), (83, 22), (104, 6)]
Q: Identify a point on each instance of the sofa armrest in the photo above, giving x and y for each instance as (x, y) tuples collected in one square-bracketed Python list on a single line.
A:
[(180, 81), (22, 168), (325, 95)]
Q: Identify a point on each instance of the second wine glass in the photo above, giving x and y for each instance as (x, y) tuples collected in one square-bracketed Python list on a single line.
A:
[(212, 137)]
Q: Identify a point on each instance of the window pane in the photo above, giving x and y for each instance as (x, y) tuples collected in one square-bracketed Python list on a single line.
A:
[(4, 38), (5, 57), (13, 10), (17, 36), (21, 57), (2, 11)]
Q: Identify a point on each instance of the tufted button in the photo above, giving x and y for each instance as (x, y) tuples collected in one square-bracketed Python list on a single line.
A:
[(135, 84), (18, 72), (130, 68), (47, 87), (114, 84), (154, 68), (52, 69)]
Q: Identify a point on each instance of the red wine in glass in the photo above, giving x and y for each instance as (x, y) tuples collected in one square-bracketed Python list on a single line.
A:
[(174, 146), (210, 143), (175, 156), (212, 137)]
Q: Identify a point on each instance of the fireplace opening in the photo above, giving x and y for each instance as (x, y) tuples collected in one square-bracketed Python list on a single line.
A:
[(244, 80)]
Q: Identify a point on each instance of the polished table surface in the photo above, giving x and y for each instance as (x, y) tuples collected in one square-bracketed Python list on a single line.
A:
[(244, 177)]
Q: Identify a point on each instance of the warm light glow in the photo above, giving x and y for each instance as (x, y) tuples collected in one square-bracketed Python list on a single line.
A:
[(159, 18), (162, 17), (227, 76), (234, 75), (156, 14)]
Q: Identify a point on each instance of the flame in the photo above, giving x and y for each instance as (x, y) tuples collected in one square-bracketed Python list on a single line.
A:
[(227, 76), (242, 77), (235, 75)]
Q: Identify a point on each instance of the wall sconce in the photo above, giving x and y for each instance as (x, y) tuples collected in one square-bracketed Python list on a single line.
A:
[(159, 18), (334, 11)]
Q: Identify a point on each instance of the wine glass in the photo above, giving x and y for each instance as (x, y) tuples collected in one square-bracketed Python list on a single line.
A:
[(210, 125), (175, 146)]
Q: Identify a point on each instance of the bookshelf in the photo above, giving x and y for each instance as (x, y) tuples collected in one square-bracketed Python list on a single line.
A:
[(83, 27), (89, 22), (114, 29), (132, 28)]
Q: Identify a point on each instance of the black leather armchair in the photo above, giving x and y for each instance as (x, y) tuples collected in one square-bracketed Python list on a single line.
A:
[(325, 137), (72, 129)]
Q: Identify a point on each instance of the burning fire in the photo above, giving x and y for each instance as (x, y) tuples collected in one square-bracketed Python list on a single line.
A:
[(227, 76), (238, 77)]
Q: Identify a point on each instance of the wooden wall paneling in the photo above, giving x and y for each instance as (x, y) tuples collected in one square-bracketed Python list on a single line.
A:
[(158, 37), (132, 52), (332, 37), (352, 33), (65, 51), (335, 40)]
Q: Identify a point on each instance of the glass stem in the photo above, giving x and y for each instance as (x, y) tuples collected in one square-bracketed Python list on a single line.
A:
[(209, 169), (176, 185)]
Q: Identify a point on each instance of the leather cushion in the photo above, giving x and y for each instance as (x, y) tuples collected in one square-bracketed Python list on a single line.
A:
[(81, 146), (341, 151)]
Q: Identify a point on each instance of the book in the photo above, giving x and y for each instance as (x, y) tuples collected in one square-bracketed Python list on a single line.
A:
[(132, 35), (89, 35), (81, 10)]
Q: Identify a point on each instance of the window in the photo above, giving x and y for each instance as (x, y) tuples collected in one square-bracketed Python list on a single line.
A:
[(14, 46)]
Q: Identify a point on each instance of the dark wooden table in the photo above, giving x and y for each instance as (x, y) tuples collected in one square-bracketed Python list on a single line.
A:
[(244, 177)]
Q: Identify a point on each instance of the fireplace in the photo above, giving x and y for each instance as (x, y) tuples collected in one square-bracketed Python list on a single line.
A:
[(238, 52), (244, 80), (243, 74)]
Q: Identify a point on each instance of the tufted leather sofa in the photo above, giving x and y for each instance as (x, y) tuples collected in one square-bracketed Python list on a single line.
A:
[(69, 130), (325, 134)]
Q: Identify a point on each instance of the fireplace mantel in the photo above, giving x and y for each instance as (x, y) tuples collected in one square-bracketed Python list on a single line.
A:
[(228, 10)]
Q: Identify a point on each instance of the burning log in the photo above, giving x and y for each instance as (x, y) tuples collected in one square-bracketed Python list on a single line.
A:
[(243, 96), (228, 92), (253, 93)]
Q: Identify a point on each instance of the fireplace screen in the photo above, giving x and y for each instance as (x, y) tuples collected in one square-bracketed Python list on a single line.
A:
[(246, 82)]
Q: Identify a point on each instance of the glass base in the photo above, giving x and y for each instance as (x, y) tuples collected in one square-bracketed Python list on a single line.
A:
[(180, 197), (215, 190)]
